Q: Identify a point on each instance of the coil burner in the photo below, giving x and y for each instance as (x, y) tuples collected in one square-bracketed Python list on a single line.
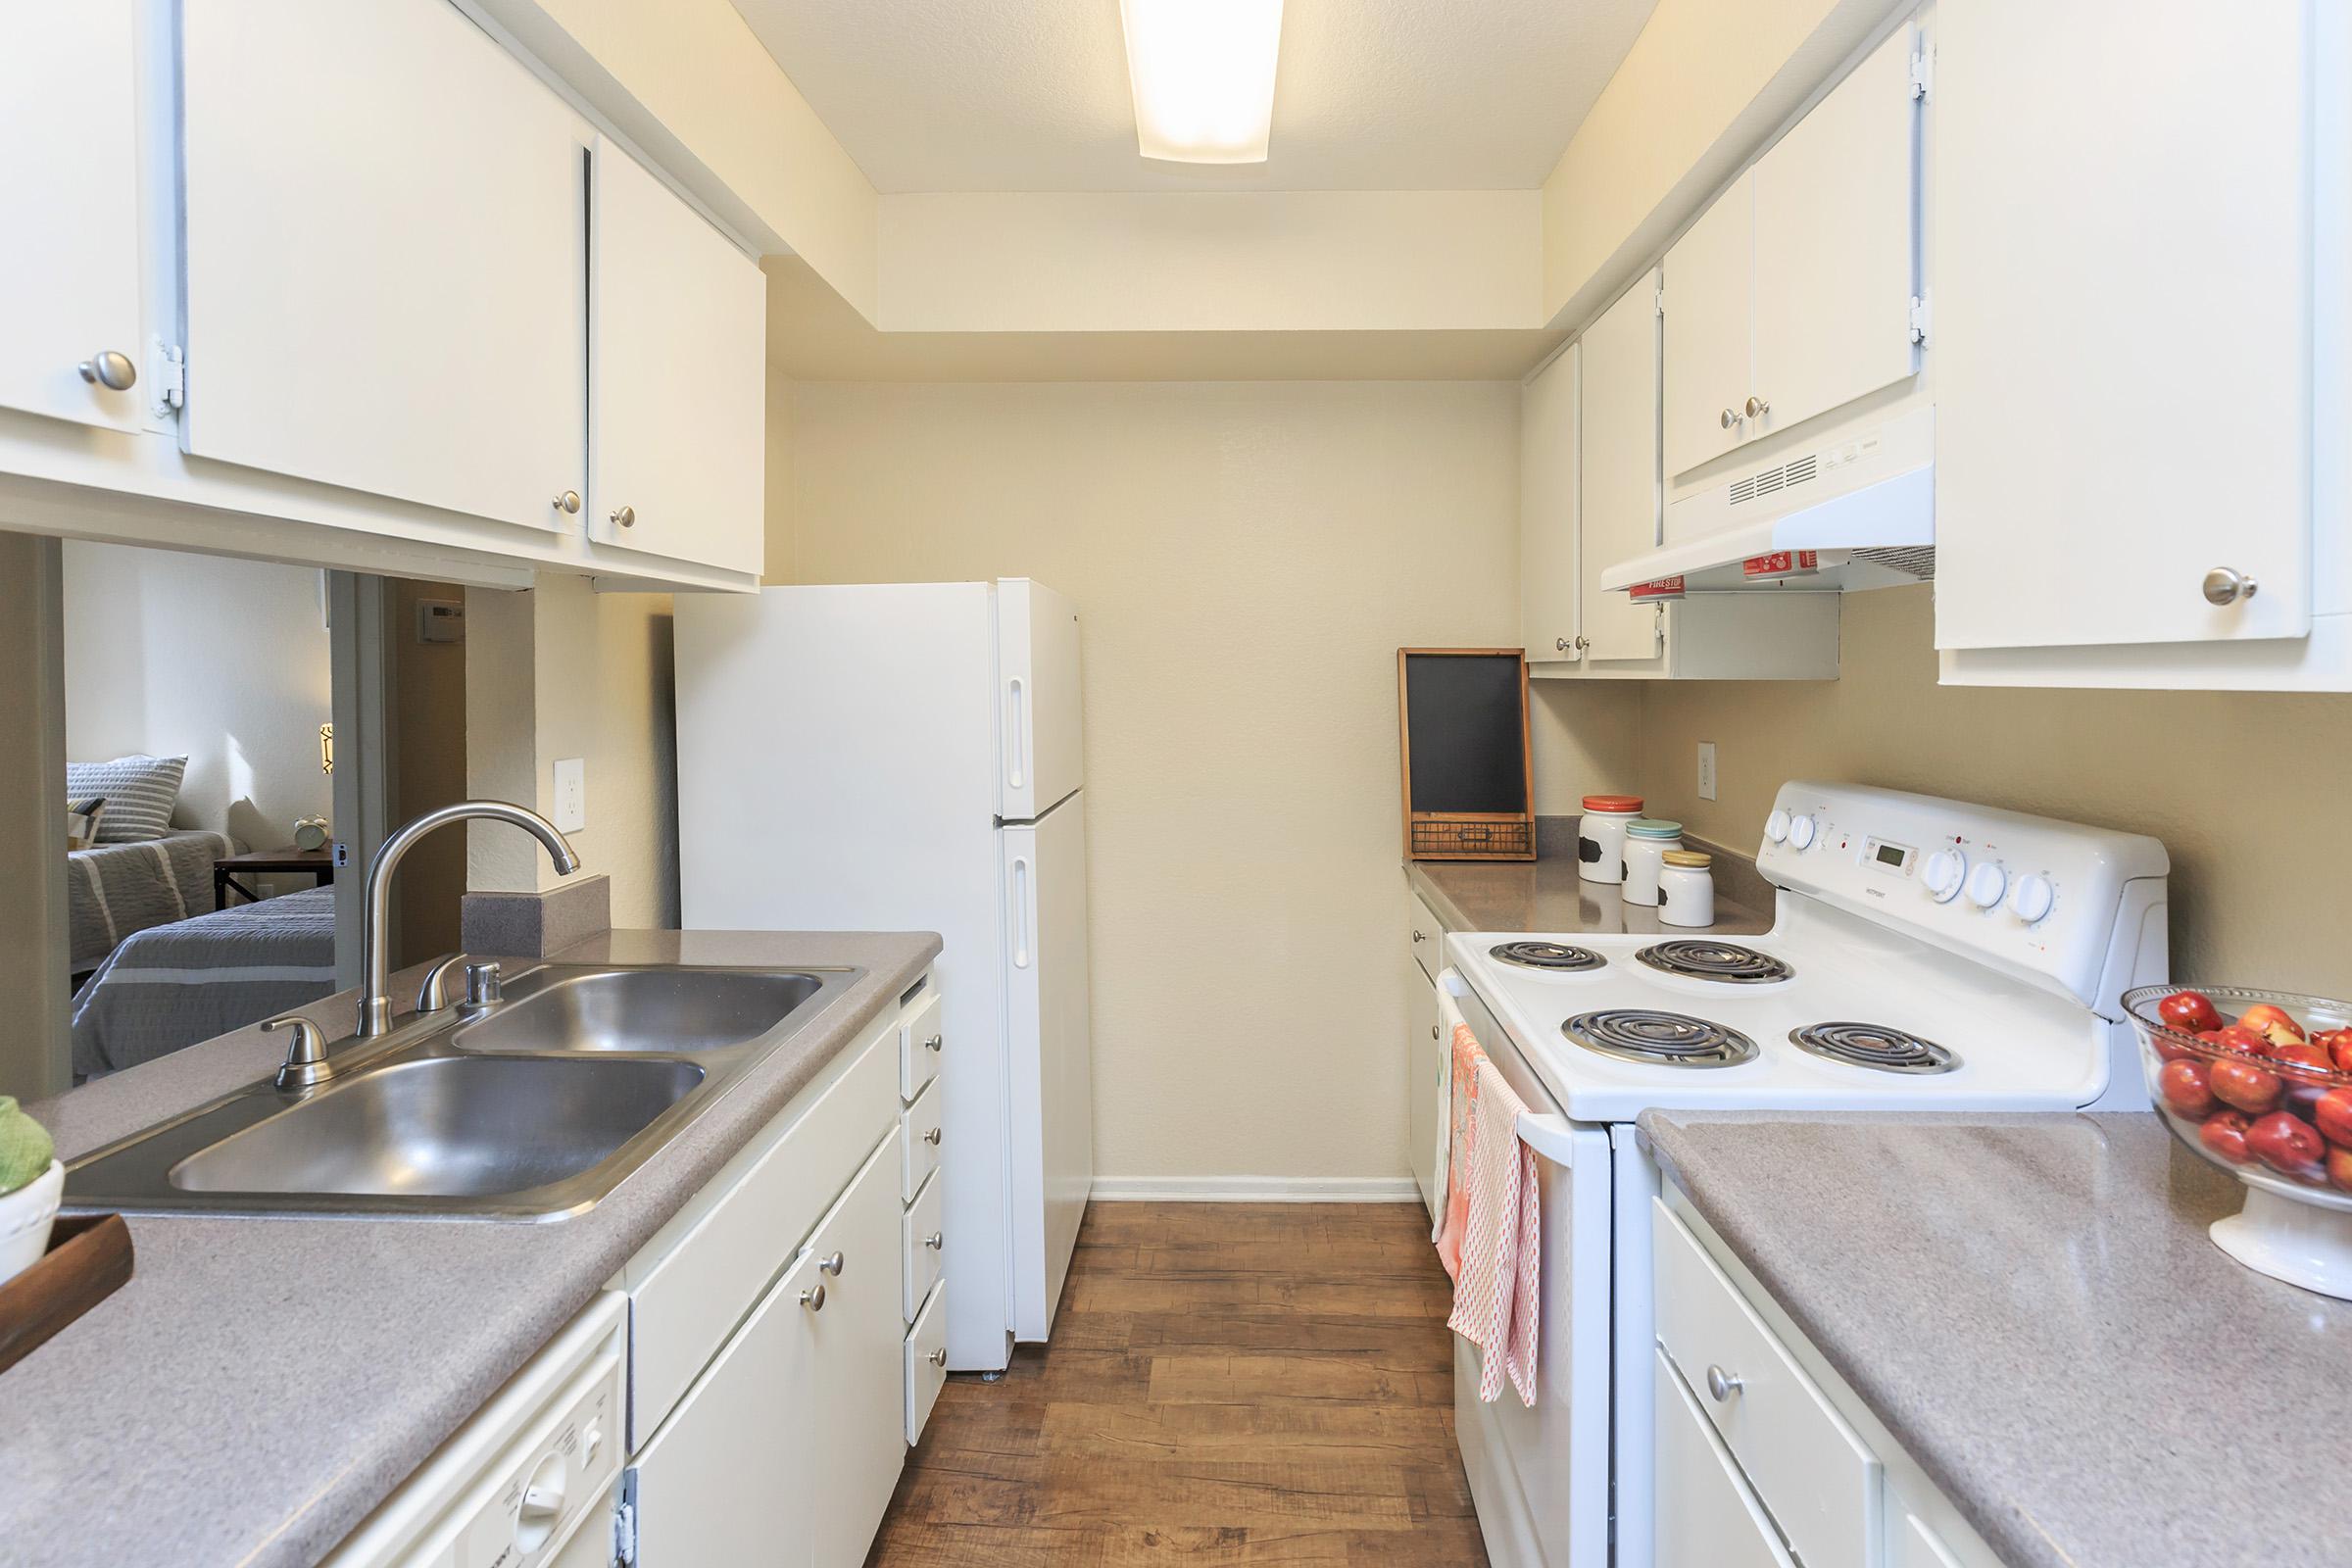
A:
[(1696, 958), (1553, 958), (1662, 1038), (1870, 1044)]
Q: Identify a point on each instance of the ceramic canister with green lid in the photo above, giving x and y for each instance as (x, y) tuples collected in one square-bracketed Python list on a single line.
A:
[(1646, 840)]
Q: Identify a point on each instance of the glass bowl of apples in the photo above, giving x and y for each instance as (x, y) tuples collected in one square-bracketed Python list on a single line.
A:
[(2260, 1083)]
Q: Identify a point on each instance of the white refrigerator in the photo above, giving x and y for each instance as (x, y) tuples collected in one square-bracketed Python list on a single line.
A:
[(907, 757)]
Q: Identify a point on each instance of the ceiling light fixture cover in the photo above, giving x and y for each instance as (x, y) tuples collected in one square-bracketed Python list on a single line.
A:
[(1203, 72)]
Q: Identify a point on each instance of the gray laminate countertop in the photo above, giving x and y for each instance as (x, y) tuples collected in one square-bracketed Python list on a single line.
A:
[(261, 1385), (1547, 895), (2031, 1306)]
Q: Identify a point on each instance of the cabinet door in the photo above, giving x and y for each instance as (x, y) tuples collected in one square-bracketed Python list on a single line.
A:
[(384, 256), (1710, 275), (1423, 1051), (2123, 284), (1547, 450), (855, 1402), (1619, 514), (734, 1475), (70, 116), (678, 372), (1835, 259), (1707, 1516)]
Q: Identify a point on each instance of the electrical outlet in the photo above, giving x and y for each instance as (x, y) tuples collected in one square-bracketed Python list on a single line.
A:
[(1706, 770), (572, 794)]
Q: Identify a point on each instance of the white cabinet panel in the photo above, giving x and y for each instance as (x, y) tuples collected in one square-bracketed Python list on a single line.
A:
[(678, 375), (1549, 598), (70, 119), (1834, 258), (2123, 289), (1707, 1516), (384, 266), (1710, 277), (1619, 468), (855, 1402)]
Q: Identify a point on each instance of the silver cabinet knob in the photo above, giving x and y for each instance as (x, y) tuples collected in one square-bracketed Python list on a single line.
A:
[(626, 517), (934, 1043), (938, 1357), (1731, 417), (1433, 1031), (2224, 586), (1418, 937), (1581, 644), (830, 1266), (1559, 643), (1721, 1385), (935, 1241), (932, 1138), (109, 370), (568, 501), (813, 1297), (1757, 408)]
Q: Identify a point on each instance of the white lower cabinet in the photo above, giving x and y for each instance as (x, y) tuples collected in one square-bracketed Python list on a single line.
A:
[(1708, 1517)]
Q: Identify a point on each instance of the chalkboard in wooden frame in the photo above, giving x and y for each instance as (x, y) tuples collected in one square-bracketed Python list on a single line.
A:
[(1469, 782)]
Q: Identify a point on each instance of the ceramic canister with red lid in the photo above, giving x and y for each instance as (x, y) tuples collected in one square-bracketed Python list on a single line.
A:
[(1600, 836)]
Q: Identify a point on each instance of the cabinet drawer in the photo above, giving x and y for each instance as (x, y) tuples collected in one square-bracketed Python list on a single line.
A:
[(1707, 1518), (692, 1284), (919, 1045), (923, 1135), (926, 1362), (1812, 1472), (924, 1243), (1423, 935)]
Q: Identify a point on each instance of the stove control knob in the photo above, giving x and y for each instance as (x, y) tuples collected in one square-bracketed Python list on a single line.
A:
[(1776, 826), (1986, 885), (2032, 899), (1801, 831), (1946, 870)]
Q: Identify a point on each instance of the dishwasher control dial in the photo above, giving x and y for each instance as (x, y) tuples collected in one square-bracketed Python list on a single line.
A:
[(1776, 826), (1946, 870), (2032, 898), (542, 1504), (1986, 885), (1801, 831)]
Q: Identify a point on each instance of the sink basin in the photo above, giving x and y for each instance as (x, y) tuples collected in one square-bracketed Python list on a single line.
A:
[(555, 1008), (450, 1126)]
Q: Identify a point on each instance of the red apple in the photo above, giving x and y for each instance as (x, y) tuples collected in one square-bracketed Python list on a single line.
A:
[(2226, 1136), (2302, 1061), (2271, 1023), (2184, 1088), (2240, 1039), (2337, 1043), (2339, 1169), (2239, 1082), (2192, 1013), (2333, 1113), (2286, 1144)]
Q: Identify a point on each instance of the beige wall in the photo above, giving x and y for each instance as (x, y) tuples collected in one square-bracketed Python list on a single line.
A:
[(558, 671), (220, 660), (1246, 559), (2245, 790)]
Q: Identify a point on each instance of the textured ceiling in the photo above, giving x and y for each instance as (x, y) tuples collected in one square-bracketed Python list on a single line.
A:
[(1031, 95)]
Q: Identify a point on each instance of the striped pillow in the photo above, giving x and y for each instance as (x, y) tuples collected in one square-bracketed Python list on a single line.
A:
[(81, 822), (140, 793)]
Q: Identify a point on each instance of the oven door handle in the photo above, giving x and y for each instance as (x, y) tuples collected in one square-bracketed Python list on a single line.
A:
[(1552, 1138)]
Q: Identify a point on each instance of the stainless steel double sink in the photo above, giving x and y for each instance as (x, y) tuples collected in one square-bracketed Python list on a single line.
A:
[(533, 1108)]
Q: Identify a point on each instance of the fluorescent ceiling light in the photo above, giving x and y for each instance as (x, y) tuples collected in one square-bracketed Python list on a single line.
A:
[(1203, 72)]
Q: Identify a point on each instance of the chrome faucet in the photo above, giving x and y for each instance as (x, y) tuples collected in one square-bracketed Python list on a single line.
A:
[(376, 983)]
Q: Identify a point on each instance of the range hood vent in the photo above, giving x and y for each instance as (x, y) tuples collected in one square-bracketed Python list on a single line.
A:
[(1854, 512)]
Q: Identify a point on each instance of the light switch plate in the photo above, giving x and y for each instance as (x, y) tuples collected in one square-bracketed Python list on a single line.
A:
[(1706, 770), (572, 794)]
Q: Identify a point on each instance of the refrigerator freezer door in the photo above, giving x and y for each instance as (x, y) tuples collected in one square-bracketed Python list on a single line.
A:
[(1051, 1054), (1038, 723)]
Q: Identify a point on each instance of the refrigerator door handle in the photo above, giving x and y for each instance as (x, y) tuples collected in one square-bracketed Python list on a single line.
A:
[(1017, 732), (1023, 937)]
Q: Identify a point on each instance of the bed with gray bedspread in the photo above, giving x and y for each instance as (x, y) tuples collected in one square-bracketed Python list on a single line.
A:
[(113, 890), (172, 985)]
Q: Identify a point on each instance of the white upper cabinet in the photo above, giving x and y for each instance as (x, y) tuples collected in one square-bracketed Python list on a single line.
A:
[(384, 265), (1710, 277), (1619, 468), (1549, 598), (2125, 334), (678, 375), (70, 329), (1793, 294)]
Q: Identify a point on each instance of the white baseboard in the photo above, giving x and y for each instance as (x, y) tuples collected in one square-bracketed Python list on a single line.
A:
[(1256, 1189)]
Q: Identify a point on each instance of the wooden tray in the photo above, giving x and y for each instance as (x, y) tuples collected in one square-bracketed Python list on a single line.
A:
[(88, 1260)]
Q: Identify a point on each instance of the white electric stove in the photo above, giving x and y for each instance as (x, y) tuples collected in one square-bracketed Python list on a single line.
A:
[(1925, 955)]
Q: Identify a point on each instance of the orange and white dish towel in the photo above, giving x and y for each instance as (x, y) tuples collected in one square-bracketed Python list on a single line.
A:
[(1491, 1237)]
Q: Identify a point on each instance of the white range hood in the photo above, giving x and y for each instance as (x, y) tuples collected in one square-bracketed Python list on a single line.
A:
[(1854, 511)]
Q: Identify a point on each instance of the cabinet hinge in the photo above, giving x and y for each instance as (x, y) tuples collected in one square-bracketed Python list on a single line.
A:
[(1923, 72), (1919, 317), (1658, 299), (625, 1523), (167, 378)]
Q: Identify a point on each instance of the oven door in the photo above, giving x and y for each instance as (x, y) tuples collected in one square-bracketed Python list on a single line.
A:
[(1540, 1477)]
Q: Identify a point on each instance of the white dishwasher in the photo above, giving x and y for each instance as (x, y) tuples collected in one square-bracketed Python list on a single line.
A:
[(532, 1470)]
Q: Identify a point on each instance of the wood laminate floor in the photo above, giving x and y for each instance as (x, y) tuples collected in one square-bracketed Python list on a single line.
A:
[(1228, 1384)]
